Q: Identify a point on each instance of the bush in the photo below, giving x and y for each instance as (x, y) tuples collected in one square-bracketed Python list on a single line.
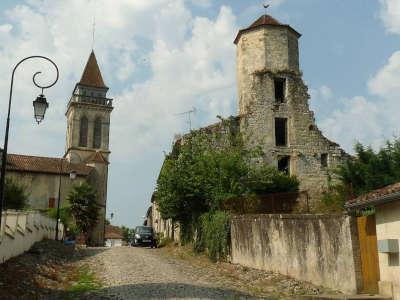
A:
[(15, 195), (214, 235)]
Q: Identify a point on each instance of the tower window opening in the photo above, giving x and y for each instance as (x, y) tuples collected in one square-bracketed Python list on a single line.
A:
[(284, 164), (279, 85), (324, 160), (281, 131), (97, 133), (83, 132)]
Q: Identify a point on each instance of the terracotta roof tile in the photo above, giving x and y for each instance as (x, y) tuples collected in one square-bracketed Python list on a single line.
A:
[(374, 195), (38, 164), (113, 232), (264, 20), (91, 75)]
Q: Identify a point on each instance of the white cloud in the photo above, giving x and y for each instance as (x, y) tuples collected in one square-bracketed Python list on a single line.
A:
[(390, 15), (369, 120)]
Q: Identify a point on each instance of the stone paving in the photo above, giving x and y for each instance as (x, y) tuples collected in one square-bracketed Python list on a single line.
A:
[(143, 273)]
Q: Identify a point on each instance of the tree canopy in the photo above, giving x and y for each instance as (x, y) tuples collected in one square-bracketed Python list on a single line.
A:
[(15, 195)]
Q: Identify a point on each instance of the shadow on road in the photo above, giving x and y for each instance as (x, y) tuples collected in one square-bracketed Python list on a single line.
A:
[(168, 291)]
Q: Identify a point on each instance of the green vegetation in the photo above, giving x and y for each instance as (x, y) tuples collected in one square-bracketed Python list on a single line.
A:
[(15, 195), (84, 208), (215, 229), (368, 171), (198, 176), (127, 233), (86, 281)]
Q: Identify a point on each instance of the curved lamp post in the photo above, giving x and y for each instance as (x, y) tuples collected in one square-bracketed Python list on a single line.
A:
[(39, 106)]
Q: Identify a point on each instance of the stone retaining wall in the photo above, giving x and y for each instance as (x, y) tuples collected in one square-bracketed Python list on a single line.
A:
[(321, 249)]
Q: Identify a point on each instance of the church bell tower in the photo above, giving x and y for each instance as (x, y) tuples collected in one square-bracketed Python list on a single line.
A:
[(88, 126), (88, 116)]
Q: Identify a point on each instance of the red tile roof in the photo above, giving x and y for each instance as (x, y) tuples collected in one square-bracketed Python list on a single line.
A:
[(91, 75), (264, 20), (49, 165), (372, 198), (113, 232)]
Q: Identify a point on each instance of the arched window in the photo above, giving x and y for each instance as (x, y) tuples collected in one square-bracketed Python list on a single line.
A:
[(97, 133), (83, 132)]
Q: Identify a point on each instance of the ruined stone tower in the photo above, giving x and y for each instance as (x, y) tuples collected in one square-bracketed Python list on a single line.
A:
[(88, 123), (273, 105)]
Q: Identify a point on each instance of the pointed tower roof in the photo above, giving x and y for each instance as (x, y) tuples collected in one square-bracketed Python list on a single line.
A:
[(264, 20), (91, 74)]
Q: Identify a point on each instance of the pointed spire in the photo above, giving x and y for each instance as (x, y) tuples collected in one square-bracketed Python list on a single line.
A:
[(91, 75)]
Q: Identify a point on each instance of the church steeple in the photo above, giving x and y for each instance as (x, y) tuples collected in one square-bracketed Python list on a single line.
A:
[(88, 115), (91, 74)]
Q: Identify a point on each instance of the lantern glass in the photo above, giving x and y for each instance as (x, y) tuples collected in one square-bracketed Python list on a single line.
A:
[(72, 175), (39, 107)]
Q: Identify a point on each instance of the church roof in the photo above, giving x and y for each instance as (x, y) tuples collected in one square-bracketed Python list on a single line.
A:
[(48, 165), (264, 20), (91, 74), (97, 157)]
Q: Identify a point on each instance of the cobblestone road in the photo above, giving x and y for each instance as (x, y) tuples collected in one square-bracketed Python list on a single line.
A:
[(142, 273)]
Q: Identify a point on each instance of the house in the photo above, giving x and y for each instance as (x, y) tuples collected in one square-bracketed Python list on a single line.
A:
[(113, 236), (386, 202)]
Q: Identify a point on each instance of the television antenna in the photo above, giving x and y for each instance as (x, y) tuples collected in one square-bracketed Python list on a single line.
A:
[(189, 116)]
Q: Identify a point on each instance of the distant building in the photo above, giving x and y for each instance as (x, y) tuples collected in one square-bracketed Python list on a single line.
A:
[(87, 151), (114, 236)]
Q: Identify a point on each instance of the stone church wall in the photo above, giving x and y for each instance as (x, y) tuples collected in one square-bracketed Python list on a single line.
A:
[(42, 187)]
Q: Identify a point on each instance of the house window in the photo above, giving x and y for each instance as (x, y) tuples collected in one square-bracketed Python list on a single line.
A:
[(97, 133), (281, 131), (52, 202), (279, 85), (83, 132), (284, 164), (324, 160)]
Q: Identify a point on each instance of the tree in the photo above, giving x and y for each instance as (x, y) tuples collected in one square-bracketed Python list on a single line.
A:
[(197, 177), (15, 195), (84, 208), (367, 171), (127, 233)]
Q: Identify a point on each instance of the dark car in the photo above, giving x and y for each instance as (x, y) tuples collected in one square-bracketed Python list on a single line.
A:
[(144, 236)]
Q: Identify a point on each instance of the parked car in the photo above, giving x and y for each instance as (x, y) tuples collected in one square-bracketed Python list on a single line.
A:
[(144, 236)]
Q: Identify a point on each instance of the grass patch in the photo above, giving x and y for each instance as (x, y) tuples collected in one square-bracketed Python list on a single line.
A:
[(85, 281)]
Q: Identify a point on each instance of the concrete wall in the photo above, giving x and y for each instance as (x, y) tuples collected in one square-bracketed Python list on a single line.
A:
[(320, 249), (20, 230), (388, 227)]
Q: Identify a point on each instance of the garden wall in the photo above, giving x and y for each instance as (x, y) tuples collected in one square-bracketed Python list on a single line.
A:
[(20, 230), (322, 249)]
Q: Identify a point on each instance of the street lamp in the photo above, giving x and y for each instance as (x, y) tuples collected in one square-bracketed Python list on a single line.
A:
[(39, 105), (72, 176)]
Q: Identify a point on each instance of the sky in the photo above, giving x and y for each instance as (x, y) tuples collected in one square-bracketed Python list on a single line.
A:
[(163, 57)]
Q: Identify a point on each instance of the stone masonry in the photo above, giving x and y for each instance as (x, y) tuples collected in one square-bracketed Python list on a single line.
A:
[(273, 107)]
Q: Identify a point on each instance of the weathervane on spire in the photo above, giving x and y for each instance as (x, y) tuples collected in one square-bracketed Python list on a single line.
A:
[(265, 7)]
